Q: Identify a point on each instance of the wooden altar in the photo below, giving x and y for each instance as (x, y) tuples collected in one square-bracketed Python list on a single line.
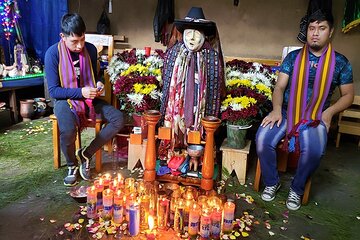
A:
[(209, 123)]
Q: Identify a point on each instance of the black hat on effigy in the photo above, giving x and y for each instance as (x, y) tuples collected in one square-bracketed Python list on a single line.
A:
[(195, 19), (318, 10)]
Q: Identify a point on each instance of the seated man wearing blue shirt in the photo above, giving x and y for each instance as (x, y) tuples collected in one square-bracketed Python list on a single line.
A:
[(301, 112), (71, 71)]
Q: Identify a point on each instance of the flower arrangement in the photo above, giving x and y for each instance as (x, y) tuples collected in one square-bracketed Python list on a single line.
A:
[(249, 88), (136, 79)]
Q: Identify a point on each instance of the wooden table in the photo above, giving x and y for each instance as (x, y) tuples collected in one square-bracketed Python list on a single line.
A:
[(12, 84)]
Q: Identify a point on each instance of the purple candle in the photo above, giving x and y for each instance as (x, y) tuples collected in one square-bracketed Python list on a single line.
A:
[(134, 220)]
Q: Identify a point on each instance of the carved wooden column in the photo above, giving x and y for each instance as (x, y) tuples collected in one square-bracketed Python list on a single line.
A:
[(151, 118), (210, 124)]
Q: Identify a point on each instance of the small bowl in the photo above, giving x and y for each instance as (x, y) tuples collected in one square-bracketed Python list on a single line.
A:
[(79, 193)]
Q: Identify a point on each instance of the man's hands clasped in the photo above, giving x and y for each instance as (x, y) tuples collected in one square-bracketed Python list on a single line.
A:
[(91, 93)]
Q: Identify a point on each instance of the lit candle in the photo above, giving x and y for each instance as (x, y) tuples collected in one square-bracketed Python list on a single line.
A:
[(114, 185), (134, 220), (99, 185), (108, 204), (150, 235), (163, 212), (107, 180), (229, 211), (205, 223), (179, 216), (118, 207), (129, 185), (194, 219), (91, 202), (144, 211), (120, 179), (216, 222), (130, 200)]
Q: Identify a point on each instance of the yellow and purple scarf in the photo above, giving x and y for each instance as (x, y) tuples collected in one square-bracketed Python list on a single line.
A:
[(300, 113), (68, 79)]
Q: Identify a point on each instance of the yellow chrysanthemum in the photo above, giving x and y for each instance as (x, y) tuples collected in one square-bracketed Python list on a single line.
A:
[(262, 88)]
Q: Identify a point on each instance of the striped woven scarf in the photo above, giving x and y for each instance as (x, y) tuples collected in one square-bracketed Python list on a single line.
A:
[(300, 113), (68, 79), (175, 74)]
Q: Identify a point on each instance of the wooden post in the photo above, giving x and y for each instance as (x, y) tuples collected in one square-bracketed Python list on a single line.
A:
[(210, 124), (151, 118)]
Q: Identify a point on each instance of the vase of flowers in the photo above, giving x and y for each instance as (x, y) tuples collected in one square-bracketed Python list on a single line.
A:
[(136, 80), (249, 88)]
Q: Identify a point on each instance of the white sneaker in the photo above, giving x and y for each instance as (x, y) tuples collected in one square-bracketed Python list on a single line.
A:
[(269, 192), (294, 200)]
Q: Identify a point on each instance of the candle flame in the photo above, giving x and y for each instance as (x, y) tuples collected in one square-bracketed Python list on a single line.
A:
[(151, 222)]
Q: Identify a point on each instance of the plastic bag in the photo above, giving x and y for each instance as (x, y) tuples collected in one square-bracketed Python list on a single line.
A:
[(103, 25)]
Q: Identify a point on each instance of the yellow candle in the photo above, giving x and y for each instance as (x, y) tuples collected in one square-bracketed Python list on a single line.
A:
[(108, 204), (118, 207), (229, 211), (91, 202), (194, 219)]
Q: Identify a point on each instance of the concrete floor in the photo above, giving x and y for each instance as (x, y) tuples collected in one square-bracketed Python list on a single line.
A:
[(333, 211)]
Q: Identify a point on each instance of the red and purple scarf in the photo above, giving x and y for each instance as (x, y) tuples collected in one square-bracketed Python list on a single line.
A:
[(68, 79), (300, 113)]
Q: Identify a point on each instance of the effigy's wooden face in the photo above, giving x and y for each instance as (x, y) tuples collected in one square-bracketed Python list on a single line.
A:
[(193, 39)]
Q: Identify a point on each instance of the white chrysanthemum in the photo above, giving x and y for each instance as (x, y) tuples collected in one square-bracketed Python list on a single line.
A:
[(136, 99), (233, 74), (236, 106), (155, 94)]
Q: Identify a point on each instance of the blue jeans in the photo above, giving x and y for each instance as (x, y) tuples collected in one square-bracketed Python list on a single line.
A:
[(312, 148), (68, 126)]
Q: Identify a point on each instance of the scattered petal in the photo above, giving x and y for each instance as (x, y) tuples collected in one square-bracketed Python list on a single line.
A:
[(237, 234), (232, 237), (225, 236), (286, 214), (81, 220), (244, 234), (42, 219), (61, 232), (52, 221), (271, 233), (358, 217), (309, 216), (283, 228)]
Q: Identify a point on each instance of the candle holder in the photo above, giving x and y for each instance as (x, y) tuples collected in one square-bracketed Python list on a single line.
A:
[(151, 117), (210, 124)]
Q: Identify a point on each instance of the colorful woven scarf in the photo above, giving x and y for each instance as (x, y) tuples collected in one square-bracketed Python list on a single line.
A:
[(68, 79), (300, 113), (178, 69)]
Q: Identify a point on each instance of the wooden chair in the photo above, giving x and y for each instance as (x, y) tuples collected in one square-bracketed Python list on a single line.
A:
[(56, 142), (283, 158), (100, 41), (349, 121)]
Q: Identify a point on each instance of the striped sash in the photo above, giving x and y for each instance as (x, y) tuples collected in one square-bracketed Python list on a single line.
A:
[(68, 79), (300, 113)]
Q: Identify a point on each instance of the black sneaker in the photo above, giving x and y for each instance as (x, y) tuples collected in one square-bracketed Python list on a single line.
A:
[(71, 179), (269, 192), (294, 200), (84, 163)]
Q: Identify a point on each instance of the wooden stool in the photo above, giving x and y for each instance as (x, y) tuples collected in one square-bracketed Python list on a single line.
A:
[(56, 142), (235, 159), (282, 162)]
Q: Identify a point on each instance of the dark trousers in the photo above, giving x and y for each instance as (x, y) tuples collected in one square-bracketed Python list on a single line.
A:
[(68, 127)]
